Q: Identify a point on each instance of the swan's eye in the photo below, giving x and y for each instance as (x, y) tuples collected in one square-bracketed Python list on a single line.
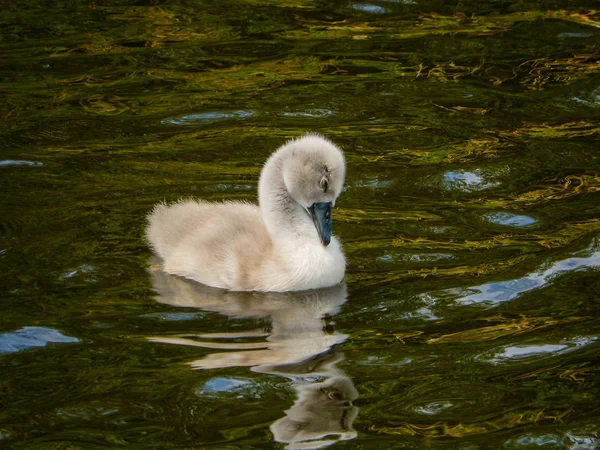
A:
[(334, 395), (324, 184)]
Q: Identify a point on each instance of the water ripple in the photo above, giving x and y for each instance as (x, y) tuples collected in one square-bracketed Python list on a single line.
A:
[(433, 408), (174, 316), (83, 270), (312, 113), (591, 99), (463, 180), (220, 385), (29, 337), (373, 182), (17, 162), (502, 291), (573, 440), (415, 257), (207, 117), (574, 35), (521, 352), (369, 8), (510, 220)]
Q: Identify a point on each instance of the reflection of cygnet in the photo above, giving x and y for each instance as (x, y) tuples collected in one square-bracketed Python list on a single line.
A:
[(297, 348), (322, 409), (297, 322), (284, 244)]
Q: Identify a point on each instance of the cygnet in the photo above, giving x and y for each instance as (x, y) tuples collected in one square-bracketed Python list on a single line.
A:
[(283, 244)]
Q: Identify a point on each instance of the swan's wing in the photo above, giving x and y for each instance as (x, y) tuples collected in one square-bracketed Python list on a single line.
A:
[(218, 244)]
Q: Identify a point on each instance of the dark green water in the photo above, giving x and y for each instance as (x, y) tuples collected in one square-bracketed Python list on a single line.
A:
[(471, 223)]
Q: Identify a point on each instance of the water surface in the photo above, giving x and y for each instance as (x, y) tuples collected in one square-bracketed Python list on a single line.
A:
[(470, 220)]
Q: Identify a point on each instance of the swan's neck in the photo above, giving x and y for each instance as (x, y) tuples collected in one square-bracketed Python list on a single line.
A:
[(285, 218)]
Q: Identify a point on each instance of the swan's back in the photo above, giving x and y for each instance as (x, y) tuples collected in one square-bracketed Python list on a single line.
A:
[(218, 244)]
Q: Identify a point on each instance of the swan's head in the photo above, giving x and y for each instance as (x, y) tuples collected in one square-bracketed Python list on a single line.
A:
[(313, 171)]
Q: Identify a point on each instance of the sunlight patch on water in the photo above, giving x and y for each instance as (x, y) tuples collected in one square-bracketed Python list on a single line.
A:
[(509, 219), (29, 337), (462, 180), (18, 162), (208, 117)]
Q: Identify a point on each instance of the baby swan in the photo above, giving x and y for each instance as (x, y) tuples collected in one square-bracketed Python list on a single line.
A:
[(284, 244)]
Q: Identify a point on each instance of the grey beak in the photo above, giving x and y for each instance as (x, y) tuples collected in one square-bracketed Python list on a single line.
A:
[(321, 216)]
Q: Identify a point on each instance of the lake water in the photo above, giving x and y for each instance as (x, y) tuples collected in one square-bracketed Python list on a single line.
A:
[(469, 317)]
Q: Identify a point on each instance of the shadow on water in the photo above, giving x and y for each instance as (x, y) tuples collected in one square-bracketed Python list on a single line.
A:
[(300, 347)]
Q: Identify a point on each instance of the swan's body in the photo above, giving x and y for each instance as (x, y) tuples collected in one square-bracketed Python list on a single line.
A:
[(284, 244)]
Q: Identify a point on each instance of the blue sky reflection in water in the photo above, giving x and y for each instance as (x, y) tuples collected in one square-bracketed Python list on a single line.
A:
[(501, 291), (470, 220)]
